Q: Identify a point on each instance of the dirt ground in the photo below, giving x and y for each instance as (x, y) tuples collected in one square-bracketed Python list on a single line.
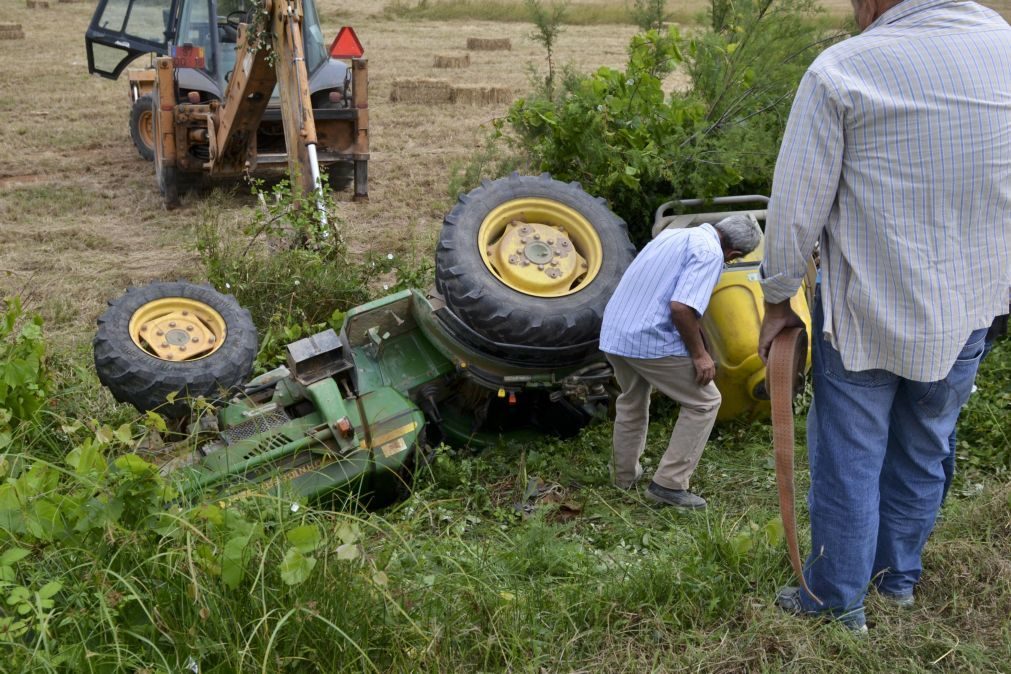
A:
[(80, 216)]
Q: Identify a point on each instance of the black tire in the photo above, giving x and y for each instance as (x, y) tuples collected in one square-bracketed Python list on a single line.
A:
[(142, 126), (144, 380), (498, 312), (341, 175)]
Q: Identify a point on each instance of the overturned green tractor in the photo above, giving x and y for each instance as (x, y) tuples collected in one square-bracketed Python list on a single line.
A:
[(505, 345)]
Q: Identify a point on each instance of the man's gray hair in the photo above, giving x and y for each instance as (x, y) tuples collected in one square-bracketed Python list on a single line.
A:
[(740, 232)]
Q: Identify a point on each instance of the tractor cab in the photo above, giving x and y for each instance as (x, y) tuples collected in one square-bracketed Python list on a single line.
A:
[(201, 34)]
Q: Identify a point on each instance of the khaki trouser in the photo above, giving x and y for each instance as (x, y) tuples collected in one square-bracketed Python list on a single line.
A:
[(674, 377)]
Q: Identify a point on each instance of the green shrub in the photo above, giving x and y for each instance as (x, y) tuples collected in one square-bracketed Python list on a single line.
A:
[(984, 427), (620, 135), (24, 378), (291, 268)]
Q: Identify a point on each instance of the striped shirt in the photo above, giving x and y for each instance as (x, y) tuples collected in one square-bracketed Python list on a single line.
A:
[(679, 265), (897, 155)]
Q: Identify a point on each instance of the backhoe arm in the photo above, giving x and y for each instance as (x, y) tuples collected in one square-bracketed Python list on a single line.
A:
[(233, 141)]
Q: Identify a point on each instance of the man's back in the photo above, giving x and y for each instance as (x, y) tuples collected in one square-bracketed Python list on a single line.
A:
[(911, 120)]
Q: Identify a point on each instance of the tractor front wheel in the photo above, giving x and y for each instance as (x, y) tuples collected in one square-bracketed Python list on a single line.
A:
[(162, 343), (142, 126)]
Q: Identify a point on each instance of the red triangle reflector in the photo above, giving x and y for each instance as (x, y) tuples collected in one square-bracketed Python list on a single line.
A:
[(346, 45)]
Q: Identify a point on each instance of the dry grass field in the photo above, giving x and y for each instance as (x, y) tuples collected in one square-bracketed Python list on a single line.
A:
[(80, 217)]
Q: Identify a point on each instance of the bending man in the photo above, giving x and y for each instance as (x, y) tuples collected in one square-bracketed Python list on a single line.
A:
[(652, 338)]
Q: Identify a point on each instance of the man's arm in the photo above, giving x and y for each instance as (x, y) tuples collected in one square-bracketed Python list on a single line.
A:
[(803, 191), (687, 323)]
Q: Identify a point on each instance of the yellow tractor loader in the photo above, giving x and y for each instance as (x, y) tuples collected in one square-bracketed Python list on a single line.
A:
[(238, 86)]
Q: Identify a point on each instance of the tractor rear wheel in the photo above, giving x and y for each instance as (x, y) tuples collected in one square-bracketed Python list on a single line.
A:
[(162, 343), (142, 126), (531, 261)]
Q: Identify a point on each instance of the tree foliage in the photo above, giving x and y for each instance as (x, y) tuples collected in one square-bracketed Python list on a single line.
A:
[(623, 136)]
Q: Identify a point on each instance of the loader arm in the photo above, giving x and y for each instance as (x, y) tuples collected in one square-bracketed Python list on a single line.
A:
[(257, 71)]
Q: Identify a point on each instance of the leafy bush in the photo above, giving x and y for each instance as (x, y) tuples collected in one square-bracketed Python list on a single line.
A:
[(24, 379), (292, 268), (624, 138)]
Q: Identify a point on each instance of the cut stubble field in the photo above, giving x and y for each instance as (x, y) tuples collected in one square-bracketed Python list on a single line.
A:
[(80, 215)]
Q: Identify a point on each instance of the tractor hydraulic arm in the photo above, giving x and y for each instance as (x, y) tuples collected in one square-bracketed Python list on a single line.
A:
[(257, 71)]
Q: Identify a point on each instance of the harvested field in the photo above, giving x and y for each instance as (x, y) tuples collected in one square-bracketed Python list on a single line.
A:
[(80, 217)]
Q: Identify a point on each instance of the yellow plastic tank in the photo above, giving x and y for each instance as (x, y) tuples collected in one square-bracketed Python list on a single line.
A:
[(731, 325)]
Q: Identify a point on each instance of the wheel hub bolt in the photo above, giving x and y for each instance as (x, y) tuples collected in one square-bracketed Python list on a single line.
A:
[(210, 340), (540, 267), (537, 236), (551, 242), (164, 345), (195, 340), (182, 348), (189, 328), (172, 324), (168, 356), (186, 313), (143, 328), (160, 333)]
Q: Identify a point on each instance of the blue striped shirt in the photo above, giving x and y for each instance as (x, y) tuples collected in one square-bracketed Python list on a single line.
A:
[(679, 265), (897, 155)]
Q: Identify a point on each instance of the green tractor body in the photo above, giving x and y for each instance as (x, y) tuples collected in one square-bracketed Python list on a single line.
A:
[(349, 412)]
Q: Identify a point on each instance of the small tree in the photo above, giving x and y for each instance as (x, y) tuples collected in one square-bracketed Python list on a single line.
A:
[(649, 14), (548, 22)]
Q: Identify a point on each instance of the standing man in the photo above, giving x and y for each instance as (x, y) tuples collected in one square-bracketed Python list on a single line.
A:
[(652, 338), (897, 156)]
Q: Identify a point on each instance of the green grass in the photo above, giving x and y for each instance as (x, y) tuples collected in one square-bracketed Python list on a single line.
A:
[(518, 559)]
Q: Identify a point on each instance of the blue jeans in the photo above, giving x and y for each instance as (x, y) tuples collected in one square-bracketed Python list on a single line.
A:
[(949, 461), (875, 445)]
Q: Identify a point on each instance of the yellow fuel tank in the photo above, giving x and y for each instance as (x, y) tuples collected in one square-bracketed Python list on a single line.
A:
[(731, 325)]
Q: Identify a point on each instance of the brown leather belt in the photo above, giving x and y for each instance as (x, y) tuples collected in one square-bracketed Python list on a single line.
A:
[(785, 378)]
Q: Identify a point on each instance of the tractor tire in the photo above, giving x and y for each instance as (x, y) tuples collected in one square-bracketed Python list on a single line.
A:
[(531, 261), (142, 126), (185, 316), (341, 175)]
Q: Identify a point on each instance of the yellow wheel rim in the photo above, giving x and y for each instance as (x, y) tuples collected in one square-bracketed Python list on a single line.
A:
[(177, 329), (145, 128), (540, 247)]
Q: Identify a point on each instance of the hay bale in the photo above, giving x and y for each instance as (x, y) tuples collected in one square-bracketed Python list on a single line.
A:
[(482, 95), (37, 4), (421, 91), (489, 44), (452, 60), (11, 31)]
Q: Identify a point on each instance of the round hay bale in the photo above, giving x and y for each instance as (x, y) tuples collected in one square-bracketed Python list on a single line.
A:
[(11, 31), (421, 91), (452, 60), (482, 95), (489, 44)]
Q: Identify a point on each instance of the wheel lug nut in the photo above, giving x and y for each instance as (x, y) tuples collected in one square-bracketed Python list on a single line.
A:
[(523, 240), (168, 356), (160, 333), (537, 236), (195, 340), (551, 242), (186, 313), (143, 328), (164, 345), (540, 267), (182, 348), (210, 340), (189, 328), (554, 263)]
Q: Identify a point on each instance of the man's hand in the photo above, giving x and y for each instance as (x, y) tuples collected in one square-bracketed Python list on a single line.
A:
[(778, 317), (705, 369)]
